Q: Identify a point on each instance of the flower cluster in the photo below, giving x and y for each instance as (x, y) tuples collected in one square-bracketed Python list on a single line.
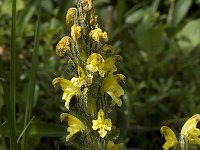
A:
[(96, 87), (189, 134)]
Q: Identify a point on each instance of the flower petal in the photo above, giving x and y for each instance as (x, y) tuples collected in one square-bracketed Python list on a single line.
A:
[(190, 130), (170, 137), (68, 88), (95, 125), (111, 87), (70, 14), (75, 32), (63, 46), (102, 124), (110, 63), (75, 125), (95, 62), (98, 34)]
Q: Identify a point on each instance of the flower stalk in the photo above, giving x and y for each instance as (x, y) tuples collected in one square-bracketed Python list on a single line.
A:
[(95, 90)]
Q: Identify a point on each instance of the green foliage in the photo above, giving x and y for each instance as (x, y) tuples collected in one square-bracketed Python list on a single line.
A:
[(161, 63)]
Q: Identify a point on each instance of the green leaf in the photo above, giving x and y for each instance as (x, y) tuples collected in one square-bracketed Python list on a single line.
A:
[(180, 11), (189, 36), (38, 129), (11, 103), (135, 16), (149, 38)]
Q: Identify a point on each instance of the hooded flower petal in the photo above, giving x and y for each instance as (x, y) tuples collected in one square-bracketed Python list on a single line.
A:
[(170, 137), (70, 14), (68, 88), (190, 130), (75, 32), (95, 62), (98, 34), (102, 124), (63, 46), (75, 125), (110, 85)]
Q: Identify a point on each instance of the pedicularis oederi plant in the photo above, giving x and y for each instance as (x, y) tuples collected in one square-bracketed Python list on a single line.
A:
[(95, 89)]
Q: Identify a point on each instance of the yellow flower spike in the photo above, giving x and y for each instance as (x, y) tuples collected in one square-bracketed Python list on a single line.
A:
[(63, 46), (98, 34), (70, 14), (107, 49), (75, 32), (87, 4), (95, 62), (190, 130), (112, 146), (82, 80), (75, 125), (102, 124), (170, 137), (68, 88), (111, 87), (110, 63)]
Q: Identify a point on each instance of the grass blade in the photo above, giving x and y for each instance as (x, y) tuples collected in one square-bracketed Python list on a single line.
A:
[(31, 86), (11, 110), (24, 130)]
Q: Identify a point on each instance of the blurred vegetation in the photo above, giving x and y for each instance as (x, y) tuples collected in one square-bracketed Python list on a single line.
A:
[(160, 44)]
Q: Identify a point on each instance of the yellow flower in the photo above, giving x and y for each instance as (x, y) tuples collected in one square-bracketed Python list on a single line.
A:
[(110, 63), (87, 4), (75, 32), (190, 130), (102, 124), (111, 87), (95, 62), (98, 34), (70, 14), (75, 125), (112, 146), (82, 81), (63, 46), (68, 88), (170, 137)]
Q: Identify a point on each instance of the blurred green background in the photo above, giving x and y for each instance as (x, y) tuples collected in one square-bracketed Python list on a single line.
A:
[(159, 41)]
